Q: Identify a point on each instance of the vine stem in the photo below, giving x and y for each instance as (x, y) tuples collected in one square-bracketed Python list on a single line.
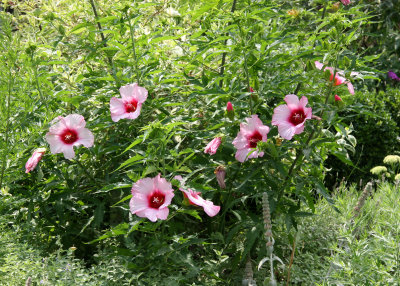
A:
[(222, 67), (104, 41)]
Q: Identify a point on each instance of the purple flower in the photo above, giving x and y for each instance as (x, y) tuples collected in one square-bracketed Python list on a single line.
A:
[(393, 76)]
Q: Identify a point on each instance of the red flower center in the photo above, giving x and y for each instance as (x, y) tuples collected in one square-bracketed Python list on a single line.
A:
[(297, 117), (254, 138), (69, 136), (131, 106), (156, 199)]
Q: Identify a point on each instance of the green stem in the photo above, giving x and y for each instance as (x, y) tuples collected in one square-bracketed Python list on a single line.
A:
[(222, 67), (10, 84), (104, 41), (246, 70), (87, 173), (131, 30), (35, 71)]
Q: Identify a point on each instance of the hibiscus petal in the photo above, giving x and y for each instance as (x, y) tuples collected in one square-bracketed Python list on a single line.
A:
[(140, 93), (241, 154), (299, 128), (163, 213), (350, 87), (240, 141), (75, 121), (286, 130), (56, 145), (210, 209), (319, 65), (117, 108), (303, 101), (86, 138), (134, 115), (68, 151), (292, 101), (281, 114), (127, 91), (143, 186), (138, 203)]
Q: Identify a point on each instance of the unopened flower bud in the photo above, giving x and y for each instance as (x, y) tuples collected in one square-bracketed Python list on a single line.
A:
[(229, 111), (337, 98), (220, 173), (253, 95)]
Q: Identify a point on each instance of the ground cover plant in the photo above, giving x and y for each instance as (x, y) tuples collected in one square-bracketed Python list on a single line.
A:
[(175, 133)]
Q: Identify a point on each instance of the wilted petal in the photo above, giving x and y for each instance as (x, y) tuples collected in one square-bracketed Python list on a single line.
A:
[(212, 147)]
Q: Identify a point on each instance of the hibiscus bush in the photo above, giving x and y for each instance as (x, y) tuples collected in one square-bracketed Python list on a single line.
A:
[(175, 132)]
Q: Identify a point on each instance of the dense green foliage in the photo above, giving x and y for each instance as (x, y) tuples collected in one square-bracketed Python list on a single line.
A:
[(320, 258), (65, 57)]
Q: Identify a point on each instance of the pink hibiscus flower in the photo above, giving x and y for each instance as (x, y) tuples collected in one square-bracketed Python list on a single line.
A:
[(290, 117), (130, 104), (34, 159), (69, 132), (194, 199), (212, 147), (339, 76), (345, 2), (151, 198), (246, 140)]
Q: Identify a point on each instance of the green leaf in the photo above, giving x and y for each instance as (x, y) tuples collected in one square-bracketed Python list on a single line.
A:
[(120, 229)]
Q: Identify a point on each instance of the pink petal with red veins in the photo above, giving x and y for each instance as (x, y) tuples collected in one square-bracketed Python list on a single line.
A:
[(292, 101), (75, 121), (85, 137), (136, 113), (350, 87), (264, 130)]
